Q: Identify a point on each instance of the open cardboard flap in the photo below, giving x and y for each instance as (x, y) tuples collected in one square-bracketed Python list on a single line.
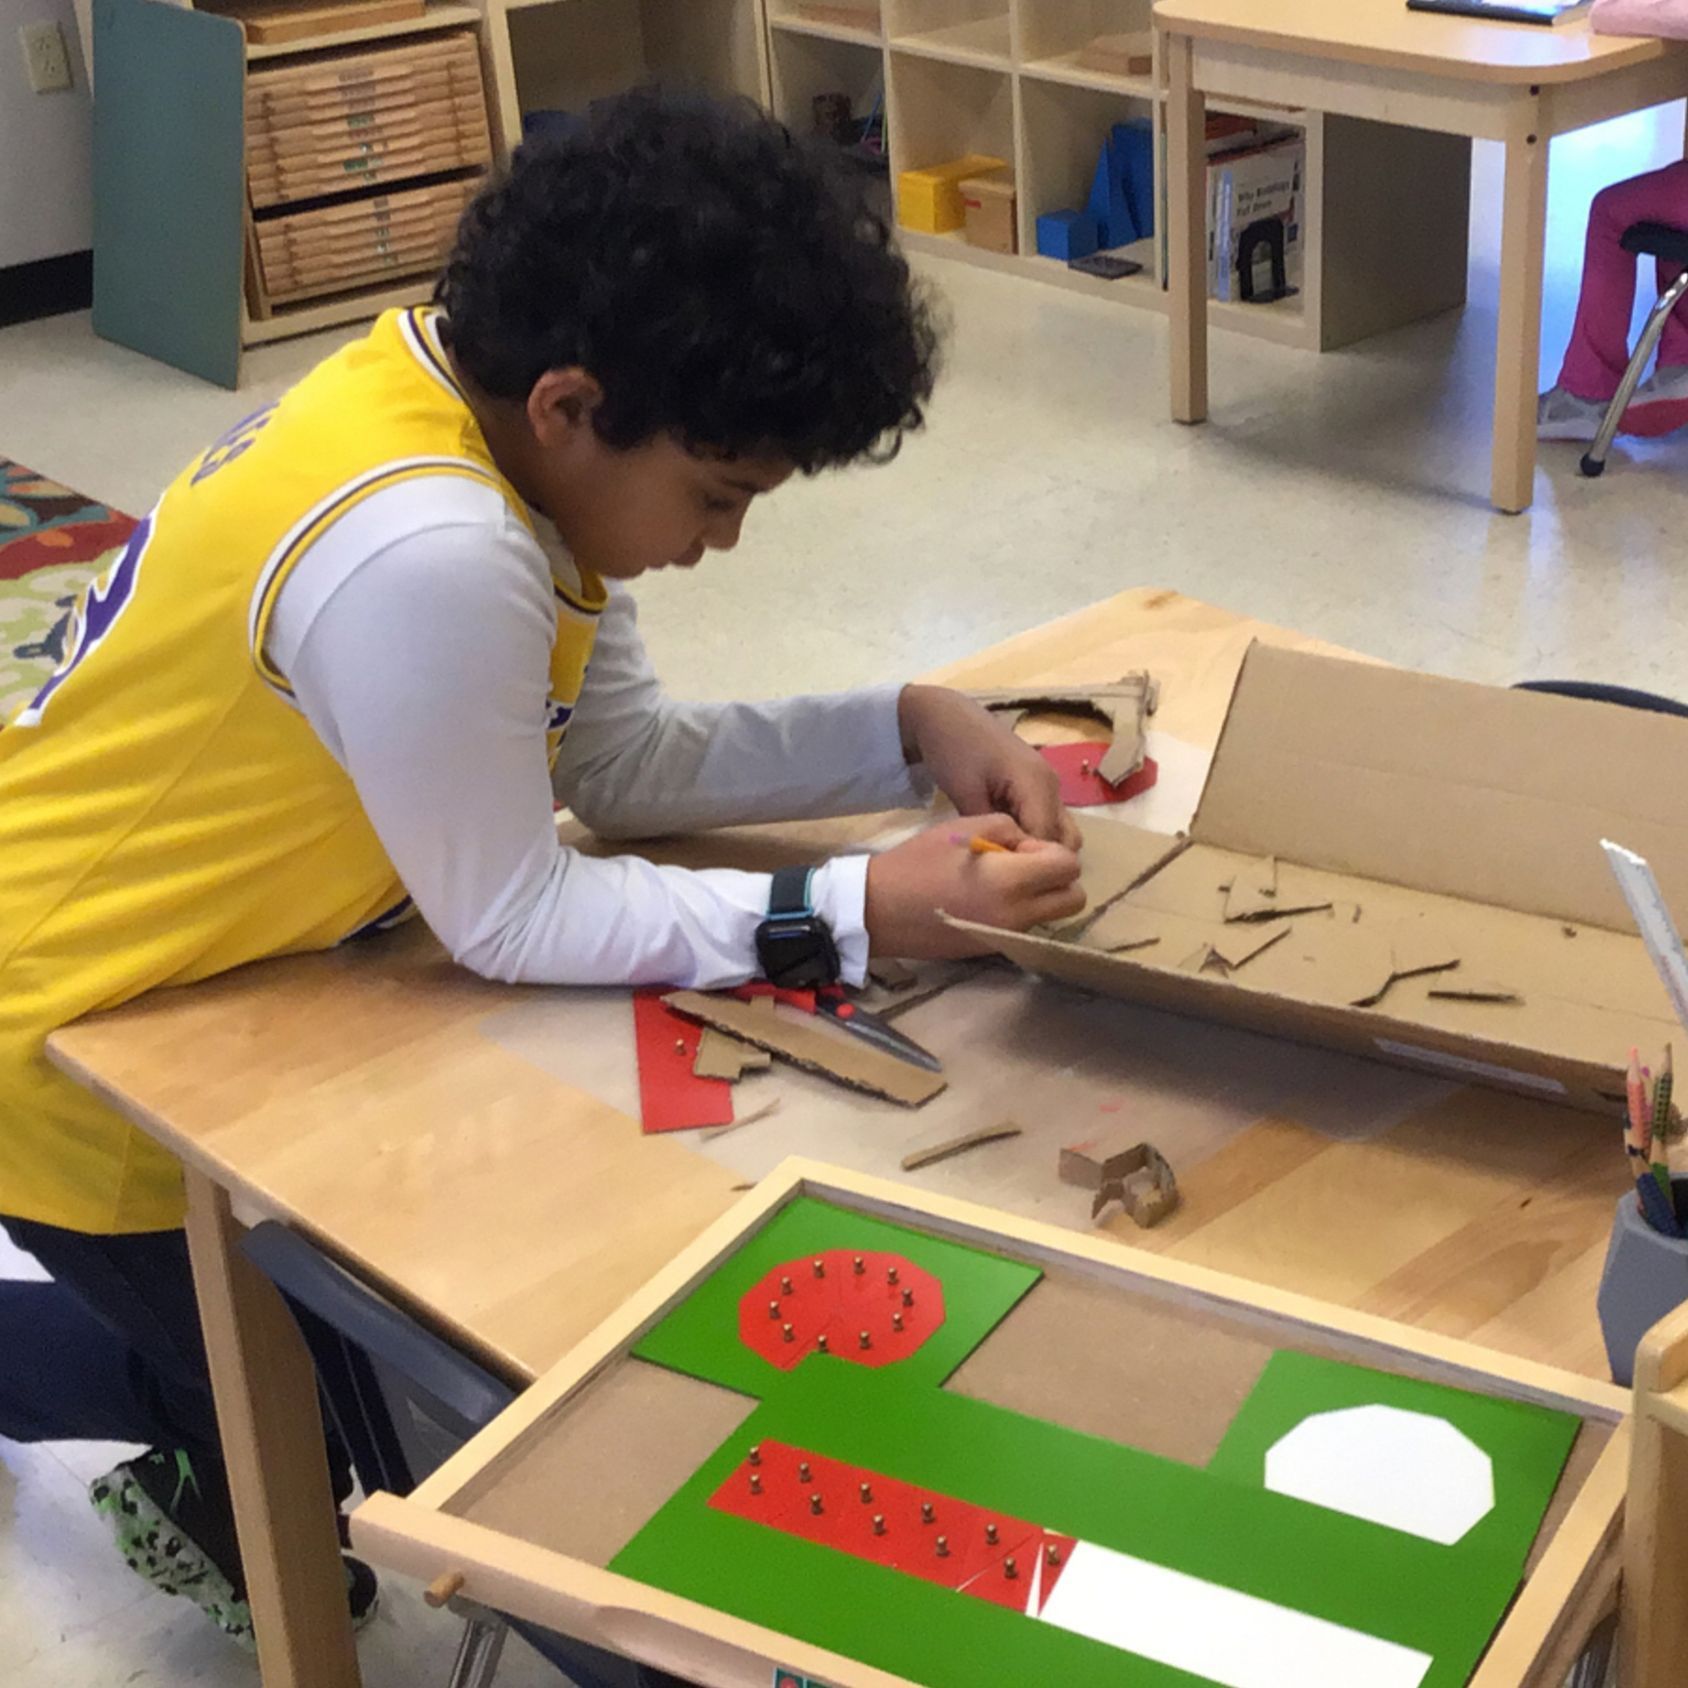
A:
[(1405, 833)]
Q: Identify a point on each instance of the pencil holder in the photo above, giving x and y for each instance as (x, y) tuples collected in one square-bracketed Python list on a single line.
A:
[(1645, 1277)]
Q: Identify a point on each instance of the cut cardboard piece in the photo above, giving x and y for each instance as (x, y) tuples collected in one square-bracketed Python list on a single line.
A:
[(722, 1056), (1124, 705), (959, 1145), (844, 1058), (1440, 823), (1456, 989)]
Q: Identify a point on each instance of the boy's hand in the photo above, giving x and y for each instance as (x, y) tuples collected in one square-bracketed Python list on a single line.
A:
[(1028, 881), (979, 763)]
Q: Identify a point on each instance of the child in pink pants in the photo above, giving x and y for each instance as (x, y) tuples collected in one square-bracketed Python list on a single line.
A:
[(1599, 351)]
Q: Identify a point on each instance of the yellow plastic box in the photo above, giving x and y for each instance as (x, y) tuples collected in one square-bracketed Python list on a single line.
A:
[(929, 200)]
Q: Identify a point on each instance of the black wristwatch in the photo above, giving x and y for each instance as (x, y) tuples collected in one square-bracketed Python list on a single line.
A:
[(794, 945)]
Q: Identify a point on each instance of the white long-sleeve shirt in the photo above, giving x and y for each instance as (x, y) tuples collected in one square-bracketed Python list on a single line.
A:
[(416, 633)]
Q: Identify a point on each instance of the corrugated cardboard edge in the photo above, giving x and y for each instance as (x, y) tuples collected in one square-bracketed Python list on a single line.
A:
[(845, 1059), (1372, 1033)]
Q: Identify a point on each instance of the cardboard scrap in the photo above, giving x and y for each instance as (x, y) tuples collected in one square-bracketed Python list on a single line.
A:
[(1259, 892), (844, 1058), (1197, 959), (721, 1056), (1418, 949), (1472, 990), (1124, 705), (958, 1145), (1140, 1179), (891, 974), (1116, 857), (1235, 950)]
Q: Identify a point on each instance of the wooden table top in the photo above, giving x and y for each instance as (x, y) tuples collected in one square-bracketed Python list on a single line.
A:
[(1384, 32), (354, 1094)]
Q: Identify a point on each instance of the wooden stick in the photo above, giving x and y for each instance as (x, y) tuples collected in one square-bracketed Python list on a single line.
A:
[(958, 1145)]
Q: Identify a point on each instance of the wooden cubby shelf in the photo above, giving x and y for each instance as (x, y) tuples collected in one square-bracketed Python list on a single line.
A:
[(1029, 82)]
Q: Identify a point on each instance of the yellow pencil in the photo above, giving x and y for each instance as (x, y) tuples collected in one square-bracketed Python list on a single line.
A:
[(983, 846)]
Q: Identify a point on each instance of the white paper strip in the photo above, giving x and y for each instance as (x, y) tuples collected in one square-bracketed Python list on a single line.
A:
[(1658, 931), (1231, 1639)]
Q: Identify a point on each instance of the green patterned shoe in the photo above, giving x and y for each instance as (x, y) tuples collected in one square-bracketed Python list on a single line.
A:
[(174, 1523), (177, 1534)]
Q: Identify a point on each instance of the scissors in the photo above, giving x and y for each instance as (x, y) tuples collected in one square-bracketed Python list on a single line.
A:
[(834, 1003), (831, 1001)]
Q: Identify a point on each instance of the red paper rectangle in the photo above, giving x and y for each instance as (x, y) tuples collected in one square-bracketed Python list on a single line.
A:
[(671, 1096)]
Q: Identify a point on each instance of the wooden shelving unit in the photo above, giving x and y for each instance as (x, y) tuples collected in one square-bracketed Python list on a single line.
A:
[(962, 76)]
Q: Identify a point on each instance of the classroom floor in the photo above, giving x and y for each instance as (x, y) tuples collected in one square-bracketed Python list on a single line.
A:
[(1345, 495)]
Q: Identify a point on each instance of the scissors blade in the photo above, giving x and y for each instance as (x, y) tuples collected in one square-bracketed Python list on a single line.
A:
[(875, 1031)]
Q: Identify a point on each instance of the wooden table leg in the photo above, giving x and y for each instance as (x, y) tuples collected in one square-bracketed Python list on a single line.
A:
[(1186, 245), (271, 1425), (1518, 343), (1652, 1615)]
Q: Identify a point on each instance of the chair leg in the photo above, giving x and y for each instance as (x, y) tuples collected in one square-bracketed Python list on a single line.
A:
[(478, 1654), (1594, 459), (1594, 1668)]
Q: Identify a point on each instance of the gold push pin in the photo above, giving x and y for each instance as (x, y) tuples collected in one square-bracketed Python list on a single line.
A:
[(860, 1265), (815, 1505), (820, 1342), (785, 1286), (908, 1297), (755, 1483), (926, 1512), (891, 1275), (879, 1523), (803, 1472), (755, 1453), (867, 1493), (990, 1535), (943, 1547), (679, 1046), (820, 1268), (1009, 1568), (896, 1321), (773, 1309), (1053, 1554), (1084, 767), (865, 1340), (787, 1332)]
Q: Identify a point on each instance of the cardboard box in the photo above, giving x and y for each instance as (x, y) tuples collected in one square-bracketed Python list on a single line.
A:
[(987, 207), (929, 199), (1441, 825)]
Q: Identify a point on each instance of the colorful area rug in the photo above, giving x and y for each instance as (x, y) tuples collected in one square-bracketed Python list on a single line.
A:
[(51, 541)]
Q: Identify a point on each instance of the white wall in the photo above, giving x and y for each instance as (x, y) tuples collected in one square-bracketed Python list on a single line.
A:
[(45, 144)]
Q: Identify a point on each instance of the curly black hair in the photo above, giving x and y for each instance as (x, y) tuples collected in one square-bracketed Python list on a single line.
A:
[(725, 282)]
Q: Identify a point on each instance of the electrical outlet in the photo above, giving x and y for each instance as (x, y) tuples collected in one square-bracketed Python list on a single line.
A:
[(44, 53)]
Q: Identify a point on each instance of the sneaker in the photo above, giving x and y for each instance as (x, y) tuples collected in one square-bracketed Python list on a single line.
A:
[(1660, 403), (173, 1519), (1563, 416)]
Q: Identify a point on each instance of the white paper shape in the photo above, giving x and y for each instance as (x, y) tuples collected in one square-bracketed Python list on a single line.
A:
[(1407, 1471), (1231, 1639)]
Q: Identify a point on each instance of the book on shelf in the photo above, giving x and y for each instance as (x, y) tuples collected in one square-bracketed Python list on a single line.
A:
[(1243, 188)]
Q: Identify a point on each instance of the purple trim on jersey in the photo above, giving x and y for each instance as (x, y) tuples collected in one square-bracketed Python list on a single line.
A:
[(102, 604), (400, 911)]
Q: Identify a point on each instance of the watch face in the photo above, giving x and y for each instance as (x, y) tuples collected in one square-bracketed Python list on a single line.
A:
[(798, 954)]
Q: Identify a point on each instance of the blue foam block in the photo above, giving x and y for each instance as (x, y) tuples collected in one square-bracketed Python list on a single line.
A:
[(1109, 204), (1134, 155), (1066, 235)]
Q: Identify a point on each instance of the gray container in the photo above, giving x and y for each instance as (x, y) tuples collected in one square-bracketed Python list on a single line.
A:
[(1646, 1277)]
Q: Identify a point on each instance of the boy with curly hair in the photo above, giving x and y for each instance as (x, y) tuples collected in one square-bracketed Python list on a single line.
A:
[(357, 649)]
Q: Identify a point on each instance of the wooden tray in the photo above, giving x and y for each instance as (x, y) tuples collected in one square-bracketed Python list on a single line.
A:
[(433, 120), (280, 108), (372, 210), (360, 66), (529, 1514), (273, 185), (346, 117)]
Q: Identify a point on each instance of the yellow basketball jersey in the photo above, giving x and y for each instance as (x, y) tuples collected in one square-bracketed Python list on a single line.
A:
[(166, 812)]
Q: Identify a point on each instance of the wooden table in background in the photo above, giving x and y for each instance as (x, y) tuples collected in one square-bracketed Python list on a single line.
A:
[(353, 1095), (1514, 83)]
